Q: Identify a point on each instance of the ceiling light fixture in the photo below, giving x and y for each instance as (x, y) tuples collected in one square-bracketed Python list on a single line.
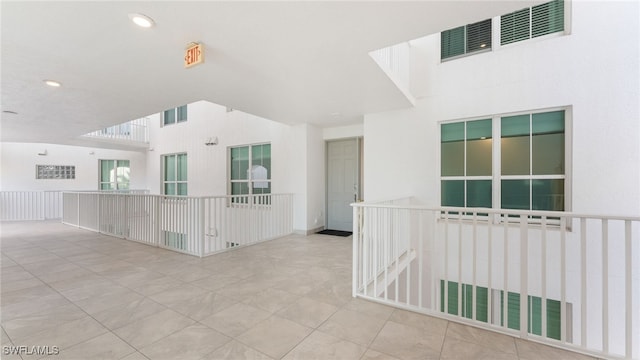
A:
[(142, 20), (52, 83), (9, 112)]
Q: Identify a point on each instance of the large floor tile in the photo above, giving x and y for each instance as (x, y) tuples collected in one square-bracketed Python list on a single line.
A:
[(275, 336), (237, 351), (236, 319), (406, 342), (65, 335), (532, 351), (458, 349), (129, 312), (308, 312), (190, 343), (271, 300), (353, 326), (153, 328), (321, 346), (103, 347)]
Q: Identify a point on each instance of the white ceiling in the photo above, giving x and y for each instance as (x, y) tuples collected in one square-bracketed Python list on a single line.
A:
[(293, 62)]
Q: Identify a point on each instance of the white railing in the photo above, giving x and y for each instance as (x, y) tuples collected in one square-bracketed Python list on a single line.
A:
[(37, 205), (395, 61), (134, 130), (568, 280), (198, 226), (30, 205)]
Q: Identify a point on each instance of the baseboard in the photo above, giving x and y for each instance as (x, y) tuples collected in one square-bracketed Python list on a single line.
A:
[(308, 232)]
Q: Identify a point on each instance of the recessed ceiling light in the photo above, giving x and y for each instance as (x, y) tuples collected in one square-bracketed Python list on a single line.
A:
[(483, 45), (52, 83), (9, 112), (142, 20)]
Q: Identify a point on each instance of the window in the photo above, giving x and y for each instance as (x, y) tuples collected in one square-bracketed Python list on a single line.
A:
[(174, 181), (532, 22), (532, 161), (534, 308), (55, 172), (250, 169), (528, 172), (466, 169), (465, 39), (175, 115), (114, 175)]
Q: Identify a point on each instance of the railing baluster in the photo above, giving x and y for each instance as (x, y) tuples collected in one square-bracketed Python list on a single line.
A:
[(583, 282), (628, 291)]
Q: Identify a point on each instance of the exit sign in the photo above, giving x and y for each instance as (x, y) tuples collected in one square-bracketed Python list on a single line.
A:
[(194, 55)]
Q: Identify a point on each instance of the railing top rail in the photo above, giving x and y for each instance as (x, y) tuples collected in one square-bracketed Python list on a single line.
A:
[(176, 197), (547, 214)]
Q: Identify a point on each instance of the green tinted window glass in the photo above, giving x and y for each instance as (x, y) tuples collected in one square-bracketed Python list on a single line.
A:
[(479, 154), (479, 193), (547, 194), (452, 132), (170, 168), (169, 116), (452, 42), (107, 186), (548, 123), (515, 159), (239, 163), (515, 194), (182, 113), (106, 170), (182, 167), (239, 188), (452, 158), (548, 154), (181, 189), (452, 294), (479, 129), (515, 125), (170, 188), (513, 311), (452, 193)]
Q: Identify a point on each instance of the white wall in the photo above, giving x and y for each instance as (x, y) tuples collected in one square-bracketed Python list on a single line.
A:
[(295, 151), (594, 70), (19, 160)]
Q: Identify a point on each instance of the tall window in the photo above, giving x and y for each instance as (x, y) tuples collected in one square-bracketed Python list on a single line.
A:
[(465, 39), (533, 169), (466, 163), (114, 174), (174, 181), (528, 173), (532, 22), (174, 115), (250, 169)]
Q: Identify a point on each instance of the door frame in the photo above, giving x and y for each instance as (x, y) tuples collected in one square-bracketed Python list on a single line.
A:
[(359, 173)]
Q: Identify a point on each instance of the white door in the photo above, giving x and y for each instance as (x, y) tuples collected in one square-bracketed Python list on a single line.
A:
[(342, 183)]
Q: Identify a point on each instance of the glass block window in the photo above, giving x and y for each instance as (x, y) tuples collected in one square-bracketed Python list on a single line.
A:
[(114, 175), (174, 180), (250, 169), (530, 169), (174, 115), (59, 172), (465, 39), (539, 20)]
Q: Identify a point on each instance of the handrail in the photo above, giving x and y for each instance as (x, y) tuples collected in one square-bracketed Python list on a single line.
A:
[(498, 211)]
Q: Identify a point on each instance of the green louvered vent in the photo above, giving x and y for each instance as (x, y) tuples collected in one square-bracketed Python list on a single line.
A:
[(465, 39), (532, 22), (514, 27), (452, 42), (547, 18)]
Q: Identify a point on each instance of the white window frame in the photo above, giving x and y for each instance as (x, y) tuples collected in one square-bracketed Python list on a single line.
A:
[(177, 111), (163, 182), (496, 166), (100, 182), (249, 180)]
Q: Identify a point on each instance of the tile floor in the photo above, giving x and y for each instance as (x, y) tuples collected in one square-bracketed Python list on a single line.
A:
[(98, 297)]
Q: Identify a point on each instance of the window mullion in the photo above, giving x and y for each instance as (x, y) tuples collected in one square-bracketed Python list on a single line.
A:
[(496, 163)]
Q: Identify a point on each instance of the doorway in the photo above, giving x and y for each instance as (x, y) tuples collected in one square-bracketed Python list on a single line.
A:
[(344, 182)]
